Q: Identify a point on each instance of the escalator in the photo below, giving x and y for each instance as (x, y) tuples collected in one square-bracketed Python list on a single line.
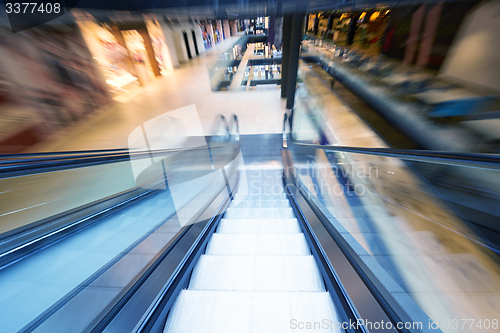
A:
[(257, 270), (264, 233)]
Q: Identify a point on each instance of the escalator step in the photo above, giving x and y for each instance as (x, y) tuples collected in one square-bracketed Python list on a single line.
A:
[(260, 196), (253, 213), (257, 273), (203, 311), (258, 244), (258, 226), (260, 204)]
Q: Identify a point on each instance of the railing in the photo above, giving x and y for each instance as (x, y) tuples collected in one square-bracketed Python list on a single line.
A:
[(408, 235), (30, 164), (483, 161), (72, 218), (216, 71), (236, 126)]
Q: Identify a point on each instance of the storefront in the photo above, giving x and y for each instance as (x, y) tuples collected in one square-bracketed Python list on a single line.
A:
[(207, 33), (227, 30), (137, 50), (160, 47), (234, 27), (128, 55), (111, 56), (49, 81), (218, 32)]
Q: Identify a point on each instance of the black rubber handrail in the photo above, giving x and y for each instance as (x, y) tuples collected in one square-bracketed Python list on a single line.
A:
[(483, 161), (55, 156), (25, 167), (220, 121), (74, 154), (236, 124), (15, 165), (65, 152)]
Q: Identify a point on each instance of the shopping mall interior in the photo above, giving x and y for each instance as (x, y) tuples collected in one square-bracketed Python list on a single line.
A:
[(250, 166)]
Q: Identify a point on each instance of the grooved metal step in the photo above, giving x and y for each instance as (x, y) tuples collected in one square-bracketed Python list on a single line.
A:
[(257, 273), (260, 204), (203, 311), (262, 244), (258, 226), (256, 213), (260, 196)]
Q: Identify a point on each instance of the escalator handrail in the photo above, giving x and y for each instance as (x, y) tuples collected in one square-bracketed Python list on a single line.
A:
[(483, 161), (16, 165), (7, 159), (84, 154), (220, 121), (236, 125), (285, 121), (24, 167), (65, 152)]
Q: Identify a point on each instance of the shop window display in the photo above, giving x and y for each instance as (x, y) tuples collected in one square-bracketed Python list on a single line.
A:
[(138, 53), (207, 37), (108, 53), (114, 62), (218, 34), (53, 83), (160, 48)]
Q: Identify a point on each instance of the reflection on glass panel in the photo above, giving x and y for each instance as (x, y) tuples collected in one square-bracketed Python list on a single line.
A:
[(427, 232), (431, 261), (432, 108), (91, 231)]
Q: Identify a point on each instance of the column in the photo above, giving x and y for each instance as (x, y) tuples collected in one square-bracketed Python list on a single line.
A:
[(351, 30), (293, 59), (329, 26), (169, 40), (227, 30), (210, 33), (219, 29), (278, 32), (287, 26), (429, 34), (413, 37), (271, 32), (316, 24), (150, 51), (119, 38)]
